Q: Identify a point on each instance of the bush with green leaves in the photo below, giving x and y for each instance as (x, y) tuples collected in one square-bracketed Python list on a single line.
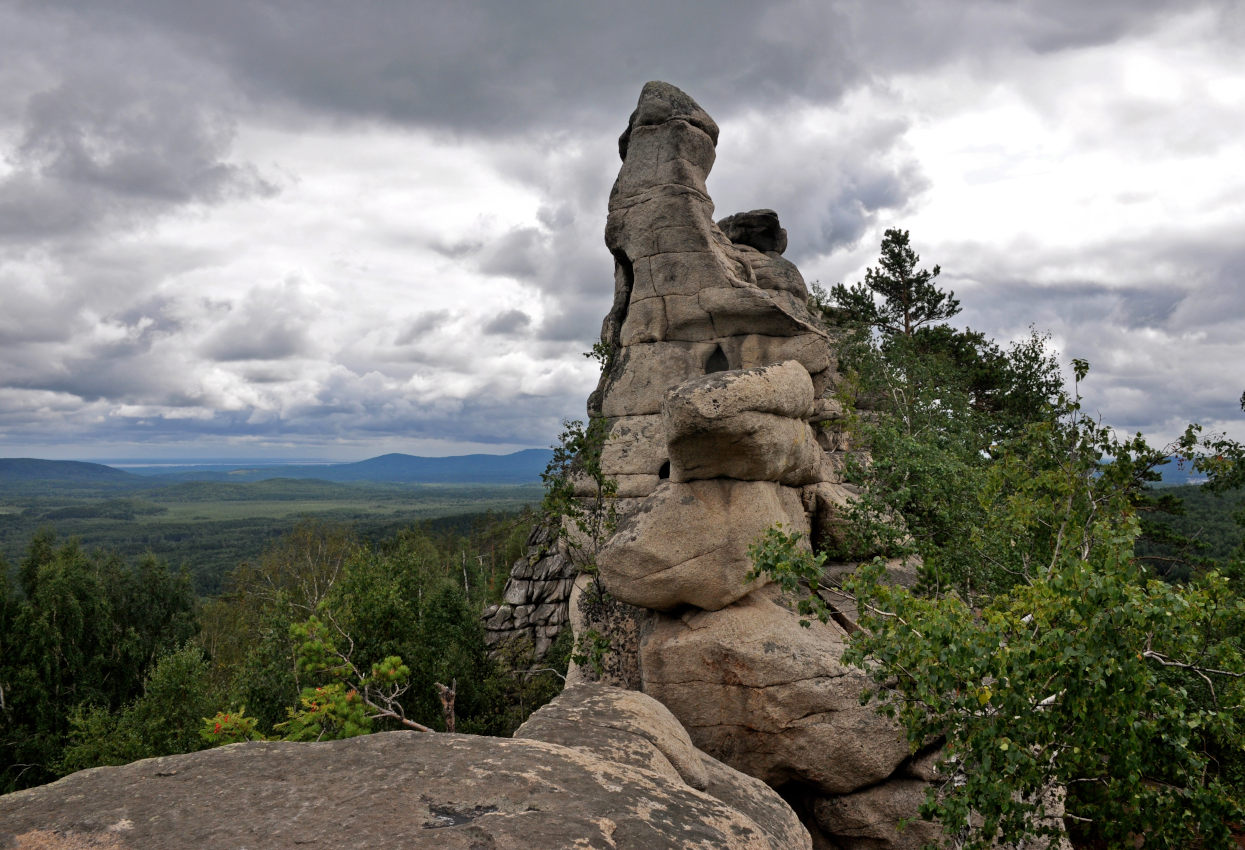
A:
[(1040, 648)]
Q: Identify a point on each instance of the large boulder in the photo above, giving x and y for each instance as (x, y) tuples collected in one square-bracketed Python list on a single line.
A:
[(620, 725), (746, 424), (629, 727), (687, 544), (393, 789), (770, 697)]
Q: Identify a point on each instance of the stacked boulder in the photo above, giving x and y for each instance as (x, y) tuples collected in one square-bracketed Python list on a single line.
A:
[(716, 393), (533, 610)]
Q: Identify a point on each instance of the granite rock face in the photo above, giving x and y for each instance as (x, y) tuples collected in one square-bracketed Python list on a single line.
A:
[(718, 393), (688, 543), (770, 697), (619, 784)]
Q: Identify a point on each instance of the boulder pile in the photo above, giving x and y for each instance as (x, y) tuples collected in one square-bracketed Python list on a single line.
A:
[(717, 392)]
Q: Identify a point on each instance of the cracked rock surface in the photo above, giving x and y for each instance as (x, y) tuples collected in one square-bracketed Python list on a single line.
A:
[(399, 790)]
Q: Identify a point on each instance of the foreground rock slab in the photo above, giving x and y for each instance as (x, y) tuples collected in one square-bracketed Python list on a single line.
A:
[(389, 790), (632, 728)]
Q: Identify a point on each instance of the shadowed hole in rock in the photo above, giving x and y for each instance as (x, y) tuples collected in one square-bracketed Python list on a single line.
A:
[(717, 362), (664, 472)]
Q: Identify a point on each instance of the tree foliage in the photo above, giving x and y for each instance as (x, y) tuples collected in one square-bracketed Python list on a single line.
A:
[(909, 297), (78, 630), (1039, 648), (1055, 659)]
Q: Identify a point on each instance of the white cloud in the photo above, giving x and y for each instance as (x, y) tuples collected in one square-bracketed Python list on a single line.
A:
[(219, 232)]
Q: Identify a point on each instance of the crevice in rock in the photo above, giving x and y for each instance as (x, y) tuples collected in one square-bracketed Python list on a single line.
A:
[(717, 362)]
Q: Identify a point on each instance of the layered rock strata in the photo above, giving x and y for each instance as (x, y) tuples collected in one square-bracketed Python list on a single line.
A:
[(533, 611)]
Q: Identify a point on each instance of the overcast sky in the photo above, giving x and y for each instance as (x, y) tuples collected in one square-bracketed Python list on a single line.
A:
[(316, 229)]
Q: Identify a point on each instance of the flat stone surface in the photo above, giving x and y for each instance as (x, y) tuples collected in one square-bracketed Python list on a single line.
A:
[(389, 790)]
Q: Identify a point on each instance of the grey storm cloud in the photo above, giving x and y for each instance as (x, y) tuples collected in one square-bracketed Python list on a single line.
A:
[(519, 254), (508, 323), (119, 115), (496, 67), (271, 323), (97, 151), (423, 325)]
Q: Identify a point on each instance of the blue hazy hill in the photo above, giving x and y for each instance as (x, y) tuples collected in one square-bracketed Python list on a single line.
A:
[(518, 468)]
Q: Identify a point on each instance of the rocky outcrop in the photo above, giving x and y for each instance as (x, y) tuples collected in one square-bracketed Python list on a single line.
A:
[(533, 610), (687, 300), (718, 395), (770, 697), (618, 784)]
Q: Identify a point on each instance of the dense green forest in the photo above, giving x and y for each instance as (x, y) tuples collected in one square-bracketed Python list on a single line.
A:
[(104, 659)]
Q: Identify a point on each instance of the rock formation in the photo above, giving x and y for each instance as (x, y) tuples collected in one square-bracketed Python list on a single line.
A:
[(718, 395), (533, 610), (597, 768)]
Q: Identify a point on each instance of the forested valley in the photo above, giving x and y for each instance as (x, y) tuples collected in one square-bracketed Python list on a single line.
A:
[(107, 659)]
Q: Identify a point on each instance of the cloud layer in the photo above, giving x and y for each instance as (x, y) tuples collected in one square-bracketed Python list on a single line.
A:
[(321, 229)]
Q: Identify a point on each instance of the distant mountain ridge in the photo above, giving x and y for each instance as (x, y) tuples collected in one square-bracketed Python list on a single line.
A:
[(68, 471), (520, 467)]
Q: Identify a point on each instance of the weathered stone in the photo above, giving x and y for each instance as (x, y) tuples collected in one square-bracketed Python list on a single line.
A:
[(628, 727), (688, 544), (679, 280), (747, 425), (599, 621), (623, 726), (757, 229), (499, 618), (515, 592), (769, 697), (749, 447), (870, 818), (393, 789), (782, 390), (635, 445)]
